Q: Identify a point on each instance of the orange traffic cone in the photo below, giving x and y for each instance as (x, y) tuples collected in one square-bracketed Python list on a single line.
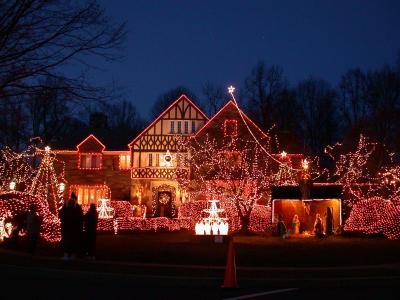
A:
[(230, 269)]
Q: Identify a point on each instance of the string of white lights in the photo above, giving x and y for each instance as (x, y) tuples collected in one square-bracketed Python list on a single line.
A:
[(231, 89)]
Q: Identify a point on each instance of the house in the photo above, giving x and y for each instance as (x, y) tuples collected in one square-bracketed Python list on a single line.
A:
[(144, 172), (148, 171)]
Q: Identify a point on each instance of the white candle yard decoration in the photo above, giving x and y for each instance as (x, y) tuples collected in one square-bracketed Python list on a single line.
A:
[(213, 224), (115, 227), (104, 209)]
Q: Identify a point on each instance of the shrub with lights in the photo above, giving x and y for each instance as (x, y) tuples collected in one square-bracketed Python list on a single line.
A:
[(17, 204), (374, 216)]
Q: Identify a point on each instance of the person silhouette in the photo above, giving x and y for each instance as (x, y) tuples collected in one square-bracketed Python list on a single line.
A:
[(33, 222), (90, 225)]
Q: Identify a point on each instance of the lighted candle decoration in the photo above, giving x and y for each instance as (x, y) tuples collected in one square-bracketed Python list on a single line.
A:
[(104, 209), (213, 224)]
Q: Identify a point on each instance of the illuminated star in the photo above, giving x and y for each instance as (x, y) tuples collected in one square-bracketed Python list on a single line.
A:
[(47, 149), (283, 154), (231, 89)]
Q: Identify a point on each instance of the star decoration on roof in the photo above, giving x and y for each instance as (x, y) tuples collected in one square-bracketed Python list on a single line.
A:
[(231, 89)]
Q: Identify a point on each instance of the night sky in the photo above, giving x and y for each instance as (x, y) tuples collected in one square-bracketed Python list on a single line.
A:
[(173, 43)]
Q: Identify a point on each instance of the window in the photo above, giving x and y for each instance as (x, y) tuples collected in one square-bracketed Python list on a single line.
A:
[(157, 159), (150, 159), (88, 194), (90, 161), (230, 128), (186, 127), (179, 127), (124, 162), (193, 126), (172, 127)]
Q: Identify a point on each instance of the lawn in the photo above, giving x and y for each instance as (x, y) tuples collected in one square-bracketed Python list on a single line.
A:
[(185, 248)]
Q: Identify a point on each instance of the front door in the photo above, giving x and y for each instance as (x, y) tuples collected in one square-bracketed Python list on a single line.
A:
[(164, 204)]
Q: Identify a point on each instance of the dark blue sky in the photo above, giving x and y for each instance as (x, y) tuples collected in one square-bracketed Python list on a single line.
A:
[(173, 43)]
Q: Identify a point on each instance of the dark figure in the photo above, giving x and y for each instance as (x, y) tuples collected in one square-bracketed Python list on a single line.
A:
[(329, 221), (318, 227), (281, 227), (90, 222), (17, 224), (33, 222), (71, 217)]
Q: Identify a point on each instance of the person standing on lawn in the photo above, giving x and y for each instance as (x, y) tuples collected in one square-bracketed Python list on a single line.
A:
[(90, 224), (71, 217), (33, 223)]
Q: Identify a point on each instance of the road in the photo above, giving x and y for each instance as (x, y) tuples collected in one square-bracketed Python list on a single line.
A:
[(52, 278)]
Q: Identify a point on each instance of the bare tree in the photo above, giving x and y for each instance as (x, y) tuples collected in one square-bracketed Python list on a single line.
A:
[(352, 97), (318, 114), (215, 97), (40, 37), (262, 89), (165, 99)]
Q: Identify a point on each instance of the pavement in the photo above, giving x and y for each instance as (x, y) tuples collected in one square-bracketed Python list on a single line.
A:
[(43, 277)]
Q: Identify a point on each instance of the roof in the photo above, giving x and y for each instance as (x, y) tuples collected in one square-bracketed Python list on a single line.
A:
[(183, 96), (228, 105), (93, 139), (317, 192)]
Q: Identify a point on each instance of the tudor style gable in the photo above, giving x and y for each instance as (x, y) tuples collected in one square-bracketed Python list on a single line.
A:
[(181, 118), (154, 150)]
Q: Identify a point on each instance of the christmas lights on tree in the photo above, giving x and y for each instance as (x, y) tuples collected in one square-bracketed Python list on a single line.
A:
[(46, 181)]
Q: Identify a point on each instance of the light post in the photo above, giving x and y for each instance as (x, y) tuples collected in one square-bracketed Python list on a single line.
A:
[(12, 185)]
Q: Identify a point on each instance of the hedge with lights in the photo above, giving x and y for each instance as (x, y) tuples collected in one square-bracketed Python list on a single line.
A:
[(17, 204), (374, 216)]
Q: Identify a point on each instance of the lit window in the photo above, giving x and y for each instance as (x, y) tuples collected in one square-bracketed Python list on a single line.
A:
[(124, 162), (150, 159), (88, 194), (193, 126), (179, 127), (90, 161), (186, 127), (172, 127), (230, 128)]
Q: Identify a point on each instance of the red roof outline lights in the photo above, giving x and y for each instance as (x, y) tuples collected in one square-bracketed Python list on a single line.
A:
[(183, 96), (230, 102), (91, 136)]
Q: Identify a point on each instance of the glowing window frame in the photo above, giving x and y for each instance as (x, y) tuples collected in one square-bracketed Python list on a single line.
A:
[(91, 154), (234, 125), (127, 157), (75, 188)]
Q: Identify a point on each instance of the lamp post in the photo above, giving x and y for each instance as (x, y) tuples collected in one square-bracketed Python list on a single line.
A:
[(61, 189), (12, 185)]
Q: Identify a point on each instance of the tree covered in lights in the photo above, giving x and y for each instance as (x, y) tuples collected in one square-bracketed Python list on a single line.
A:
[(33, 171), (46, 181), (365, 171), (17, 169), (352, 168), (234, 170)]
